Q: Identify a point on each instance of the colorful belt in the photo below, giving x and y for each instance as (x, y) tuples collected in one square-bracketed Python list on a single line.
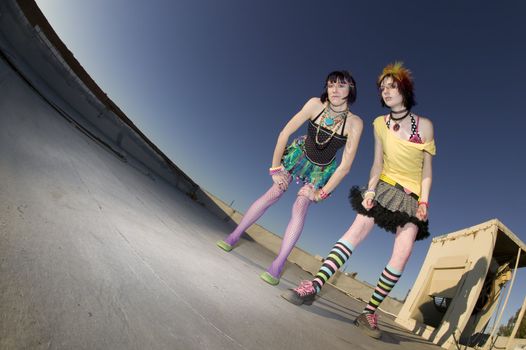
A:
[(395, 184)]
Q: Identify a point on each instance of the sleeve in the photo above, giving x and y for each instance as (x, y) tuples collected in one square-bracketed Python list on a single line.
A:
[(379, 127), (430, 147)]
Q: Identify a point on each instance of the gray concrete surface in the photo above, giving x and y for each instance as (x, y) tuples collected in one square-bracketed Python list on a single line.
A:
[(101, 247), (96, 254)]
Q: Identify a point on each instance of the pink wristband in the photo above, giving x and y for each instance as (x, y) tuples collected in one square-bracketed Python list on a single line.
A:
[(276, 170)]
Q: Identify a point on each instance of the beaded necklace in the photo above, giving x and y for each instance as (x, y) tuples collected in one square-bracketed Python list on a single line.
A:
[(329, 121)]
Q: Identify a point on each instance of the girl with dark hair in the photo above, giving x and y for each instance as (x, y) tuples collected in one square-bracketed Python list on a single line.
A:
[(310, 159), (396, 197)]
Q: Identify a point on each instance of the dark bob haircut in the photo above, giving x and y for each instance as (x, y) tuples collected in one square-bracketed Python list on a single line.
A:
[(404, 82), (343, 76)]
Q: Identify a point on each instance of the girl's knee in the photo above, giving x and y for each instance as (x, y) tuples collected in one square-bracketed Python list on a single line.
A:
[(276, 193), (400, 257), (300, 204), (306, 193), (363, 220), (359, 229)]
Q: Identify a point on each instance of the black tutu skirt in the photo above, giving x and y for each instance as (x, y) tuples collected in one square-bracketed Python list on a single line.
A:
[(393, 208)]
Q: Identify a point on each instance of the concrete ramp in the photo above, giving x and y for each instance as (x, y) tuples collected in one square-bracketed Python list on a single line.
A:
[(99, 250)]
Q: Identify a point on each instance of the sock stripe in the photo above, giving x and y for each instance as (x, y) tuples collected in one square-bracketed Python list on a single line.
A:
[(369, 309), (341, 254), (377, 297), (335, 258), (385, 284), (317, 285), (384, 287), (347, 245), (343, 249), (393, 271), (318, 281), (390, 277), (381, 291), (322, 276), (338, 255), (331, 264), (374, 302), (387, 281), (326, 270)]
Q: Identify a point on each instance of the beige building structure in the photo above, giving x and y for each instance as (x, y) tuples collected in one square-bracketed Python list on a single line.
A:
[(459, 286)]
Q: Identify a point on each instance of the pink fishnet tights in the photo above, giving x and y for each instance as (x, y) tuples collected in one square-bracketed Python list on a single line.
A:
[(256, 210), (292, 234)]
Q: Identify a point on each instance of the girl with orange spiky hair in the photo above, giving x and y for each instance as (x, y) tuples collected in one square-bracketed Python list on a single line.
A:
[(396, 198)]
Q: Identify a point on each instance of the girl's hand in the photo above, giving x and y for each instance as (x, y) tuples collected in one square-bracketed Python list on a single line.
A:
[(421, 212), (282, 179), (368, 203), (317, 196), (308, 191)]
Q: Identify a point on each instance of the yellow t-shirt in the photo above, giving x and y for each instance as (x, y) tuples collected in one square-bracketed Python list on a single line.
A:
[(403, 160)]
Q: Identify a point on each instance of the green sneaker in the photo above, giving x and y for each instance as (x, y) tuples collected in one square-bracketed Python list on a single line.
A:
[(224, 245), (267, 277)]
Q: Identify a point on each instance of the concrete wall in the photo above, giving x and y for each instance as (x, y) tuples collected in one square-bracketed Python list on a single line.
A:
[(33, 50)]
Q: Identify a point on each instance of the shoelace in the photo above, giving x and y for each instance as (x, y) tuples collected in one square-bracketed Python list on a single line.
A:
[(373, 320), (305, 283), (304, 288)]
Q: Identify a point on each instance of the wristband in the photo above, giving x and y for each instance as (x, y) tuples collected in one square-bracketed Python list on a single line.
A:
[(366, 194), (275, 170), (424, 203)]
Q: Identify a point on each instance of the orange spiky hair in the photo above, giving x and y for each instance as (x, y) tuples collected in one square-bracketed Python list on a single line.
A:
[(397, 71), (404, 80)]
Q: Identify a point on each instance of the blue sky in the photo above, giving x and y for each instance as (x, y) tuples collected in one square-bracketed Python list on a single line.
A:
[(212, 84)]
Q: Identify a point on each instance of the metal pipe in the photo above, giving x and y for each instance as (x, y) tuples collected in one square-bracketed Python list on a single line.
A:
[(517, 324), (489, 341)]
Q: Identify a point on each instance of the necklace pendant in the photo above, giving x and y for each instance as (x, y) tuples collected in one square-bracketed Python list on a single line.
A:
[(328, 121), (396, 127)]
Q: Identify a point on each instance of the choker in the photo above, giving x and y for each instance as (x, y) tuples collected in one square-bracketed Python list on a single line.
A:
[(399, 112), (396, 125), (330, 107)]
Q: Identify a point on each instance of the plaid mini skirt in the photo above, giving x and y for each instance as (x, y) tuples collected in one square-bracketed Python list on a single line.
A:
[(393, 208)]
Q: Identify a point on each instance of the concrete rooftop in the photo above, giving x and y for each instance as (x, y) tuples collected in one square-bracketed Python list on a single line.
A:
[(97, 251)]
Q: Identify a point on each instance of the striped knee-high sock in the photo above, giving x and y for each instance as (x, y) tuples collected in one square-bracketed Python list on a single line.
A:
[(387, 281), (339, 254)]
